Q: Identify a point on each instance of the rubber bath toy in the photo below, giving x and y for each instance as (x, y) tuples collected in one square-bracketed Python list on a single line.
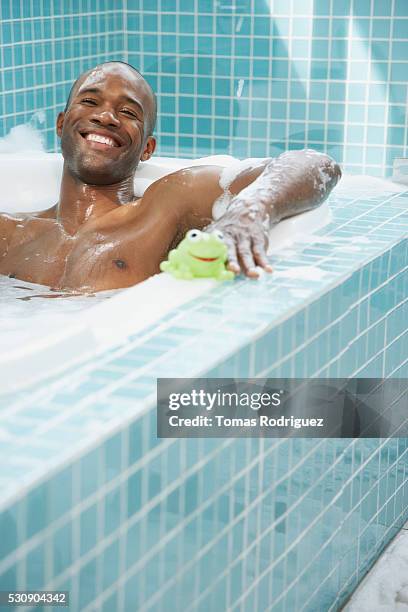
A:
[(199, 255)]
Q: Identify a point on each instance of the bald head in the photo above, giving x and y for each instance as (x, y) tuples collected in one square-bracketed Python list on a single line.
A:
[(151, 110)]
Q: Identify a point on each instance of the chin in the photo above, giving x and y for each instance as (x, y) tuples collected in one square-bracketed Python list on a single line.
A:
[(96, 174)]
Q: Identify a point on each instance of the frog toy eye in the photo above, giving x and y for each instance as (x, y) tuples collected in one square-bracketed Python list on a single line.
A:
[(218, 235), (194, 235)]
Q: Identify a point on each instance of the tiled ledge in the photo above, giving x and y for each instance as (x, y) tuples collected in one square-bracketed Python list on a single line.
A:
[(262, 328)]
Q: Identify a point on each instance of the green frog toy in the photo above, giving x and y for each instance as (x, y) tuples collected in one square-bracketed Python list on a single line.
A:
[(199, 255)]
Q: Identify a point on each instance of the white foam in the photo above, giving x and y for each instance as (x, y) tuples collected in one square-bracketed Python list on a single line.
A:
[(230, 173), (34, 333), (23, 138), (385, 588)]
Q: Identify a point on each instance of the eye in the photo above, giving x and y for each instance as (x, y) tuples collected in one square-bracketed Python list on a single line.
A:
[(218, 235), (193, 235), (88, 101), (130, 113)]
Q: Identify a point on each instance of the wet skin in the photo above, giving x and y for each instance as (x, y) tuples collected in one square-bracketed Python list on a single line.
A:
[(100, 236)]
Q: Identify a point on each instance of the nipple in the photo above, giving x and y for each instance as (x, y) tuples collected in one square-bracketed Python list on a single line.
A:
[(120, 263)]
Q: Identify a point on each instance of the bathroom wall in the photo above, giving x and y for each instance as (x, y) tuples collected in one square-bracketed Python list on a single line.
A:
[(44, 46), (254, 77), (245, 77)]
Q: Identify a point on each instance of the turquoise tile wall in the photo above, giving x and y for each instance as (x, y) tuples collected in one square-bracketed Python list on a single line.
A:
[(211, 525), (44, 46), (249, 77), (256, 77)]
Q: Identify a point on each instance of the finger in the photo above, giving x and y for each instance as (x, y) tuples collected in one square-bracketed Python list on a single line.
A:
[(260, 256), (232, 264), (245, 255)]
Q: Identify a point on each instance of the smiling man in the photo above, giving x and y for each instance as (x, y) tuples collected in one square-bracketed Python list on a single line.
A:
[(100, 236)]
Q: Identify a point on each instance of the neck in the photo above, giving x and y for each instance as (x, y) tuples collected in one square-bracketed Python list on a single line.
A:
[(80, 202)]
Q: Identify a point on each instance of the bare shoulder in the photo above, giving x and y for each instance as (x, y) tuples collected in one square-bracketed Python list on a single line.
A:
[(182, 181), (18, 217), (23, 222), (49, 213), (180, 192), (8, 223), (8, 227), (191, 192)]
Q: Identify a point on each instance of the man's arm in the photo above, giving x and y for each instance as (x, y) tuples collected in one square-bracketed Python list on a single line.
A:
[(263, 194), (292, 183)]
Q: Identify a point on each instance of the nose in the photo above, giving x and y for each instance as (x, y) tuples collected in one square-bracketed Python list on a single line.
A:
[(105, 116)]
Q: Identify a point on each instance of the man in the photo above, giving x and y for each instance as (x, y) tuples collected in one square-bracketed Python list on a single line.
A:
[(100, 236)]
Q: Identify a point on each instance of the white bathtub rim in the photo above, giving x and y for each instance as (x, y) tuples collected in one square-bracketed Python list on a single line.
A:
[(99, 327), (31, 181)]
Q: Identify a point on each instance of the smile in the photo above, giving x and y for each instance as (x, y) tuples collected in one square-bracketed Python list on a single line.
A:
[(100, 141), (204, 258)]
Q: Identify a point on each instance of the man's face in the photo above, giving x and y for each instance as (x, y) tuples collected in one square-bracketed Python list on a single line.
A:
[(103, 131)]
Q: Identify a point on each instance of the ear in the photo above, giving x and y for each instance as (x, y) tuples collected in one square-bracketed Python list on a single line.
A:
[(60, 123), (149, 148)]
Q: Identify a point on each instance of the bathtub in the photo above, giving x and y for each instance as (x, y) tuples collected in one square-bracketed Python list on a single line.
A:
[(33, 334), (101, 507)]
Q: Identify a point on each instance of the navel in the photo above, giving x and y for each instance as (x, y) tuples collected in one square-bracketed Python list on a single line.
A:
[(119, 263)]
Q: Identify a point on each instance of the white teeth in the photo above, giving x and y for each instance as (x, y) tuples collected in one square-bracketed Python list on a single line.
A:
[(102, 139)]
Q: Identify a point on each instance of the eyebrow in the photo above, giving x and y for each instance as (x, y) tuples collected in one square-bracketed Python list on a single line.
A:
[(97, 90)]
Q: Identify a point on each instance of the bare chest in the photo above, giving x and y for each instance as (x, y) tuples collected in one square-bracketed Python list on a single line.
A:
[(96, 258), (36, 251)]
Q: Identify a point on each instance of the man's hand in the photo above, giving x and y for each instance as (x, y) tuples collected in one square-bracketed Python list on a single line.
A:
[(292, 183), (246, 234), (273, 190)]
